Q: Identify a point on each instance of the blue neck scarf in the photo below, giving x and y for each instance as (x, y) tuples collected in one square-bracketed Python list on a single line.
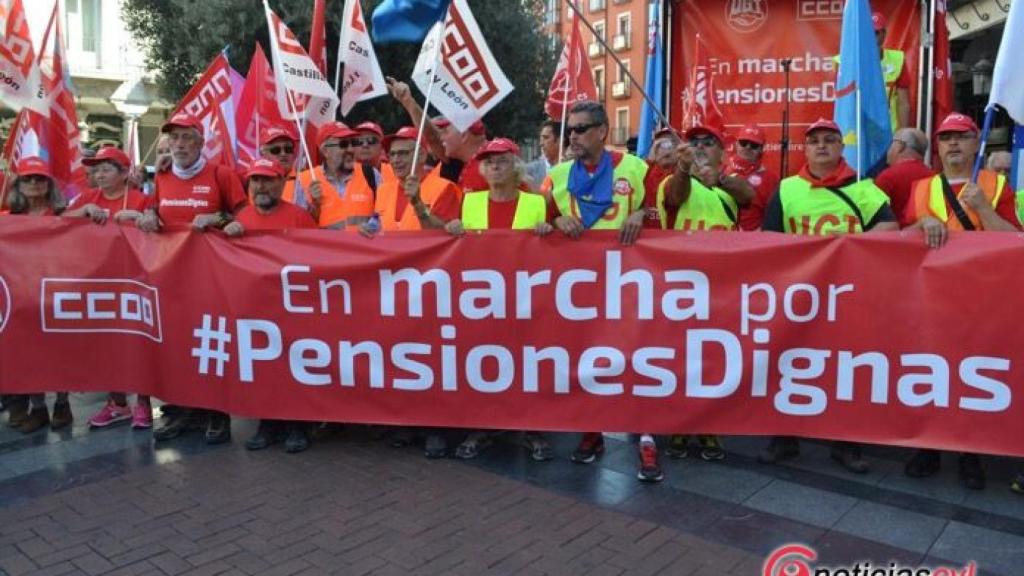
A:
[(593, 194)]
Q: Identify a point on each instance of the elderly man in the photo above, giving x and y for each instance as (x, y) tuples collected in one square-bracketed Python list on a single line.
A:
[(281, 144), (826, 198), (205, 196), (412, 191), (950, 201), (369, 148), (600, 190), (538, 169), (340, 192), (1001, 162), (661, 163), (905, 158), (747, 162)]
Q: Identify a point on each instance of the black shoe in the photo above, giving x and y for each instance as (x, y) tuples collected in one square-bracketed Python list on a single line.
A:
[(780, 448), (297, 440), (971, 473), (400, 437), (436, 447), (175, 426), (847, 454), (218, 428), (266, 434), (923, 464)]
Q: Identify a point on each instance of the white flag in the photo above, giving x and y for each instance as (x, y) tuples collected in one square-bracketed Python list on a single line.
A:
[(468, 82), (20, 82), (295, 72), (1007, 78), (363, 79)]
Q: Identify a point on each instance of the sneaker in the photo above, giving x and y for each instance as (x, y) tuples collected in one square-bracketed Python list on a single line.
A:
[(470, 447), (972, 475), (847, 454), (591, 448), (142, 416), (678, 446), (649, 470), (111, 413), (218, 428), (923, 464), (38, 418), (267, 433), (540, 448), (711, 448), (780, 448), (297, 440), (179, 422), (435, 447), (1018, 484)]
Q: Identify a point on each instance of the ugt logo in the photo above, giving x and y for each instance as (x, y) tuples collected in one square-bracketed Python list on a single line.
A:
[(746, 16), (5, 304)]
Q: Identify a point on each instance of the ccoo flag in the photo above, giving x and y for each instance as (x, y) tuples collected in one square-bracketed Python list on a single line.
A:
[(862, 108), (1007, 80)]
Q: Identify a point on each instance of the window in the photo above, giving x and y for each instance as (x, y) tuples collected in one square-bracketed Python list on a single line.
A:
[(621, 72), (621, 132), (599, 28), (90, 25), (599, 81), (625, 25), (596, 5)]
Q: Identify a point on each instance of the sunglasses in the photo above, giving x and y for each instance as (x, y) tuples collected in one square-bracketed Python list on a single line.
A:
[(343, 145), (366, 141), (751, 145), (282, 149), (958, 136), (580, 128), (35, 178), (703, 141)]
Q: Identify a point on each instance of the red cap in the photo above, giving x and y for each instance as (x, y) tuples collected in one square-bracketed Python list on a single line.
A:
[(497, 146), (265, 167), (752, 133), (33, 165), (878, 21), (404, 133), (372, 128), (823, 124), (664, 132), (477, 127), (957, 122), (705, 130), (109, 154), (183, 120), (271, 133), (334, 130)]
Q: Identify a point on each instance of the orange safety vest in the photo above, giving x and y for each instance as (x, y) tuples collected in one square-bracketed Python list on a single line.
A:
[(337, 211), (431, 188), (928, 199)]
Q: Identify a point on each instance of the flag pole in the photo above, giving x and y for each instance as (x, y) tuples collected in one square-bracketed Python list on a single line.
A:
[(430, 91), (632, 80), (929, 108), (860, 155), (565, 112), (986, 127)]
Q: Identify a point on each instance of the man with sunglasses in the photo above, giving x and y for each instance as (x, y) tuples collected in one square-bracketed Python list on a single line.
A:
[(746, 162), (370, 149), (825, 198), (281, 144), (340, 192)]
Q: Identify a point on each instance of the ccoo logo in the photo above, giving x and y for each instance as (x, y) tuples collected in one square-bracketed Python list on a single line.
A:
[(746, 16), (5, 304)]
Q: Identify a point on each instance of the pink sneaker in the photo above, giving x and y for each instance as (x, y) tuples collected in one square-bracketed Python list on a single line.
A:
[(110, 414), (142, 415)]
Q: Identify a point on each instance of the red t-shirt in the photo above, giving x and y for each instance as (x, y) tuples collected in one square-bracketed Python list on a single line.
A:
[(501, 215), (897, 182), (215, 189), (133, 199), (284, 216), (1006, 207), (765, 184), (650, 187), (655, 174)]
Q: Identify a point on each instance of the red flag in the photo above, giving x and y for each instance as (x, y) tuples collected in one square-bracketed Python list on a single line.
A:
[(60, 140), (318, 36), (257, 107), (699, 104), (210, 101), (573, 81), (943, 85)]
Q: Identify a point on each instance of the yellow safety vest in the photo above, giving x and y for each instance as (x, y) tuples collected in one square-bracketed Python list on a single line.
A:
[(531, 210), (705, 209), (627, 192), (820, 211)]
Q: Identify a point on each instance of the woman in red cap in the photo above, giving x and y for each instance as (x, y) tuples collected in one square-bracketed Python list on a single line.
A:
[(35, 193)]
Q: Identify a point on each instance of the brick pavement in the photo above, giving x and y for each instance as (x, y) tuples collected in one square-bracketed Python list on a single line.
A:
[(345, 507)]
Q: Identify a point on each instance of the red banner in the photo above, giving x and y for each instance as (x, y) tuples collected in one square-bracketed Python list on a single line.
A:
[(747, 41), (872, 338)]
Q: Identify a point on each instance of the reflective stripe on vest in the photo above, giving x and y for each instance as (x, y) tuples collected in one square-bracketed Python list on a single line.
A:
[(627, 187), (928, 199), (819, 211), (431, 188), (531, 209), (705, 209), (341, 211)]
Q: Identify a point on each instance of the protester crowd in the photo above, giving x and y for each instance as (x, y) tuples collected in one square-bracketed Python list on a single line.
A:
[(369, 182)]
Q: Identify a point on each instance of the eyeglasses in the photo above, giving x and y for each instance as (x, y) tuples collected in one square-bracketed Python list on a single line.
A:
[(35, 178), (749, 144), (829, 140), (703, 141), (282, 149), (958, 136), (366, 141), (580, 128)]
